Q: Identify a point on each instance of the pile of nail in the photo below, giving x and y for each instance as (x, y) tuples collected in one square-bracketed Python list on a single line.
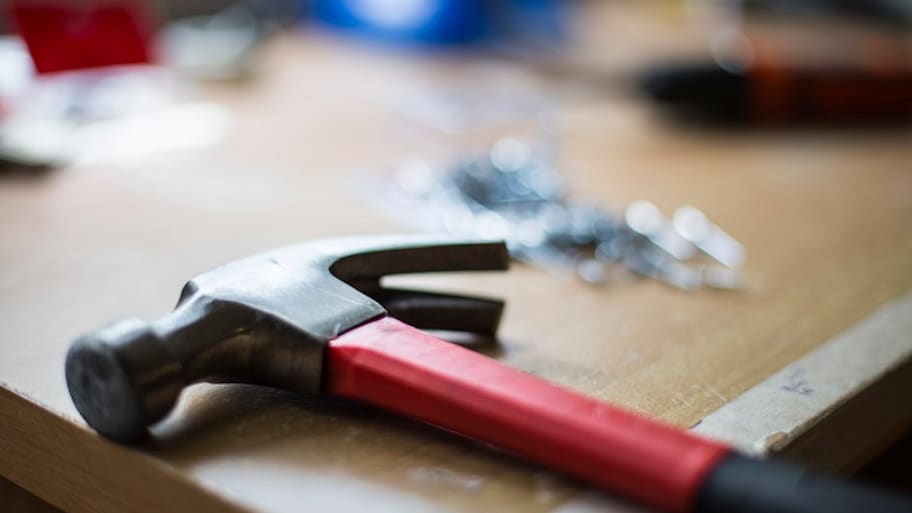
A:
[(514, 191)]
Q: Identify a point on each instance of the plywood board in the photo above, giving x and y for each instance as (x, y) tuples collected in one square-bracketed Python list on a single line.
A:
[(825, 217)]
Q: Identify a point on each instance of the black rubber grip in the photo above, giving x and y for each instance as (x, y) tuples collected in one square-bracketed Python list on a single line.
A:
[(745, 485)]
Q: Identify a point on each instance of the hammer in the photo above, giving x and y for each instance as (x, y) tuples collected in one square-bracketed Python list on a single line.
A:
[(314, 318)]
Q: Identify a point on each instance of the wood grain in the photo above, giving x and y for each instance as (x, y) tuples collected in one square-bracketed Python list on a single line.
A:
[(825, 217)]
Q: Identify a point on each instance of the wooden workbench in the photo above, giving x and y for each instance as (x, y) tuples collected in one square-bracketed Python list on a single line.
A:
[(807, 360)]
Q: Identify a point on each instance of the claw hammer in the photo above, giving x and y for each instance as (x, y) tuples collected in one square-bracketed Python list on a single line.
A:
[(315, 319)]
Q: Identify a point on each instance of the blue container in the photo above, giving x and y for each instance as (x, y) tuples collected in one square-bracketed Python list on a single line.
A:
[(441, 21)]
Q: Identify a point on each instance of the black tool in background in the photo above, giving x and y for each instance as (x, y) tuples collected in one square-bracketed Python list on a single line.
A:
[(785, 94), (896, 13)]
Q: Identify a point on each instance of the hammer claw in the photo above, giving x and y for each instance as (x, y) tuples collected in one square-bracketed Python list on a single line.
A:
[(422, 255), (435, 311)]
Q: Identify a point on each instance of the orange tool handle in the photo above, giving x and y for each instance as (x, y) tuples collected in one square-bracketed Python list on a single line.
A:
[(397, 367)]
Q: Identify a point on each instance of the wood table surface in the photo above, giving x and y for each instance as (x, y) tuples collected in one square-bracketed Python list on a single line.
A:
[(826, 217)]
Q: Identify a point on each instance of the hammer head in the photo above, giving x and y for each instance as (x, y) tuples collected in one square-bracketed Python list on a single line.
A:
[(266, 319)]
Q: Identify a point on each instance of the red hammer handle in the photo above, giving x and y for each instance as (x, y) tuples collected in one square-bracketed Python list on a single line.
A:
[(395, 366)]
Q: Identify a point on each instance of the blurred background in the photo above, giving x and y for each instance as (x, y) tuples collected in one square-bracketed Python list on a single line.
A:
[(468, 101), (486, 65)]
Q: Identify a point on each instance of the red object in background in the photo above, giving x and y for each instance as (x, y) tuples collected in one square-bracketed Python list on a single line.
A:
[(64, 36), (397, 367)]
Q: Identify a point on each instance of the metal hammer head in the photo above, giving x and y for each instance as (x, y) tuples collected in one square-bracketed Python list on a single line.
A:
[(265, 320)]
